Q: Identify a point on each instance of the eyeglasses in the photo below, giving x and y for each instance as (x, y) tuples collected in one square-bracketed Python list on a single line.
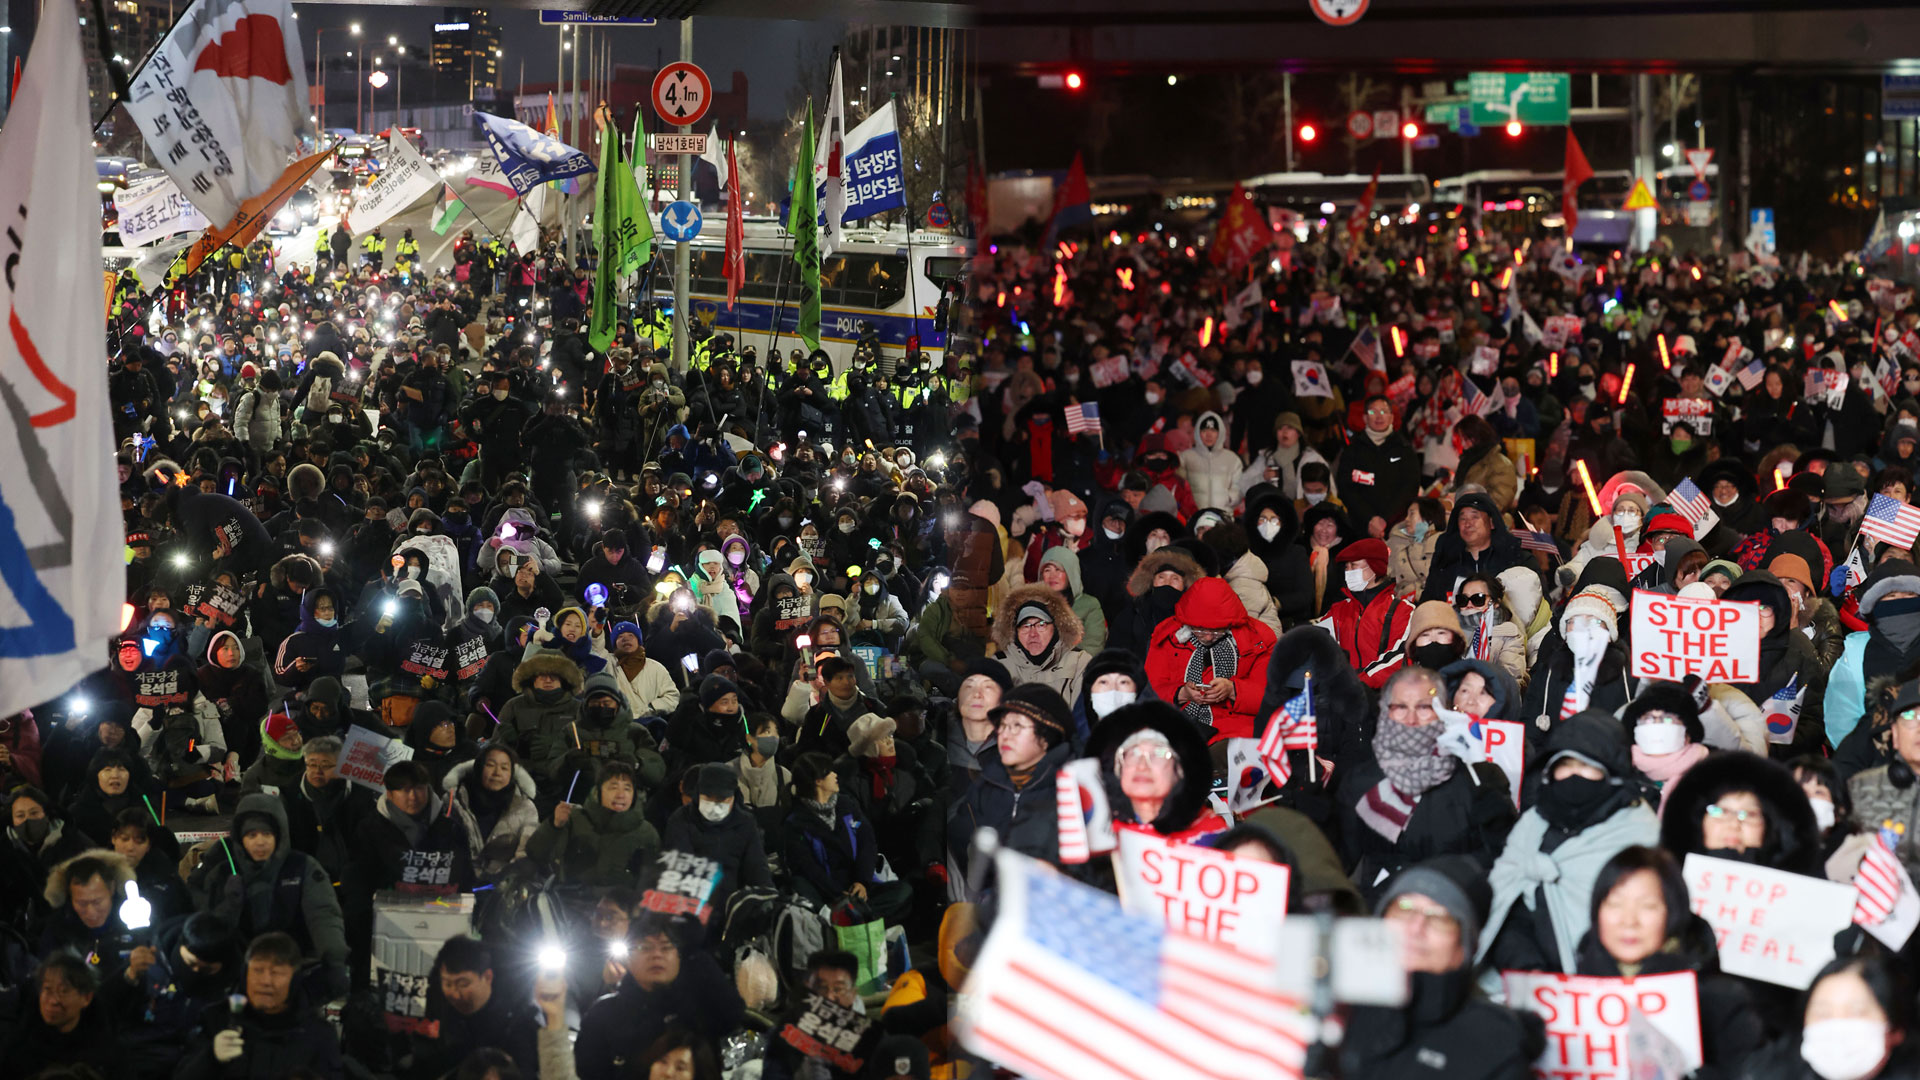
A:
[(1409, 909), (1146, 755), (1380, 410), (1016, 727), (1909, 720), (1471, 600), (1715, 810)]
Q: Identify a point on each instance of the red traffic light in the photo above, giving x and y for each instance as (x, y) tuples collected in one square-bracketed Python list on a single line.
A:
[(1513, 129), (1308, 133), (1074, 81), (1409, 130)]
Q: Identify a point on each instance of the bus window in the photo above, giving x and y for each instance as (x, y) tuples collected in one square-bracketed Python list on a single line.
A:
[(944, 270)]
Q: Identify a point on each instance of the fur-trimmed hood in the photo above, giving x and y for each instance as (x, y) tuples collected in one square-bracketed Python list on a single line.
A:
[(1134, 541), (548, 663), (1189, 795), (1793, 835), (121, 872), (1339, 697), (1065, 623), (522, 779), (1140, 582)]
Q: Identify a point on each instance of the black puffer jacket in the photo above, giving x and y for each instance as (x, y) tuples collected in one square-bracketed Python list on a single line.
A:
[(1730, 1030), (1446, 1030), (1341, 706), (1188, 800), (1027, 819), (1793, 841)]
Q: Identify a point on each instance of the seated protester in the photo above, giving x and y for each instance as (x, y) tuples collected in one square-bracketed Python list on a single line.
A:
[(1153, 588), (1482, 688), (317, 646), (84, 895), (234, 686), (185, 753), (410, 842), (109, 790), (614, 569), (279, 1031), (711, 733), (1586, 647), (325, 809), (1433, 641), (327, 710), (469, 1015), (1786, 654), (69, 1027), (154, 855), (20, 750), (607, 730), (1879, 794), (919, 1003), (192, 965), (1439, 906), (1888, 647), (1854, 1024), (715, 826), (1588, 806), (647, 684), (1369, 621), (280, 766), (606, 840), (603, 934), (823, 727), (436, 740), (1476, 542), (1059, 571), (1157, 770), (1414, 802), (493, 797), (1014, 793), (1113, 680), (37, 839), (1040, 643), (834, 974), (538, 723), (493, 687), (1210, 660), (832, 851), (1832, 804), (568, 634), (970, 732), (1484, 625), (240, 879), (526, 590), (387, 628), (1643, 924), (1664, 723), (882, 777), (670, 981)]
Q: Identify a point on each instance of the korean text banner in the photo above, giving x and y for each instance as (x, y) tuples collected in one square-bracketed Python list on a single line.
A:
[(874, 182), (528, 157)]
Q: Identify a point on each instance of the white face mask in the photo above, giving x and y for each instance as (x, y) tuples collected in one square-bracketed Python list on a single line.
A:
[(715, 811), (1844, 1049), (1106, 701), (1726, 502), (1823, 812), (1111, 535), (803, 580), (872, 587), (499, 395), (1660, 739), (1153, 397), (1356, 579), (1628, 520), (848, 526), (1315, 498), (484, 614), (1254, 377), (1585, 637), (1268, 529)]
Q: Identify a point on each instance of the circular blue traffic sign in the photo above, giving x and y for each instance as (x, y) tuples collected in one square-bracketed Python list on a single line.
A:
[(680, 221)]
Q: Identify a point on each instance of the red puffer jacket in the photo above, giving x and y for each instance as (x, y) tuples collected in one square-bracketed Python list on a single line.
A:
[(1369, 632), (1211, 604)]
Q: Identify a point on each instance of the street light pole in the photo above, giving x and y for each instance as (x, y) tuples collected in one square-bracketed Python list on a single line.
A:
[(683, 250)]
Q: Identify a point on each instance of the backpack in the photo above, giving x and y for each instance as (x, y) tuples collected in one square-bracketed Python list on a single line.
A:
[(767, 923)]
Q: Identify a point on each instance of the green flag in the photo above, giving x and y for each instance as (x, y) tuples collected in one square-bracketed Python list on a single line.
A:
[(803, 223), (640, 150), (622, 234), (446, 210)]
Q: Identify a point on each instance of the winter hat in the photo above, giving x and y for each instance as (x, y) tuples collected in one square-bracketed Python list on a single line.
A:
[(865, 733), (995, 670), (1668, 521), (899, 1057), (248, 371), (1595, 602), (1434, 615), (210, 938), (1894, 575), (278, 725), (1066, 504), (716, 781), (1042, 705), (409, 588), (1111, 662), (1370, 551), (1290, 419), (624, 627), (1033, 610), (1455, 882), (1790, 567), (715, 687), (1684, 346), (1843, 482), (1729, 569), (1698, 590), (986, 510)]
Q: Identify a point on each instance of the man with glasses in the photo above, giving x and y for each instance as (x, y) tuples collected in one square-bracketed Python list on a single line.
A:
[(832, 974), (670, 980), (1378, 472), (1887, 792)]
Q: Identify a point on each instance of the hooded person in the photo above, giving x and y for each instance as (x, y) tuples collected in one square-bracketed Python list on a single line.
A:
[(1741, 806), (1065, 579), (1211, 468), (1157, 770), (88, 924), (608, 731), (1210, 660), (1104, 566), (1040, 643), (1273, 535), (645, 682), (1245, 571), (1663, 722), (436, 739), (1588, 805), (1343, 719), (1628, 512), (710, 726), (1482, 688), (1888, 648), (1325, 533), (1368, 620), (493, 797), (1113, 680), (318, 645), (1584, 665), (257, 883), (1786, 655), (568, 632), (1446, 1025), (715, 825), (236, 690), (279, 766), (540, 720), (1731, 487), (1014, 794), (478, 634), (1154, 588), (1476, 542)]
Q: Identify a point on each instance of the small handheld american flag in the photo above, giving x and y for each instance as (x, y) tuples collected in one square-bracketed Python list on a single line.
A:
[(1292, 727), (1531, 540), (1366, 348), (1897, 523), (1751, 375), (1083, 419), (1880, 880), (1692, 503), (1472, 401)]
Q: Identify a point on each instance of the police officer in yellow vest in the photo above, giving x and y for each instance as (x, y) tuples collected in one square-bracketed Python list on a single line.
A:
[(373, 247), (406, 251), (322, 247)]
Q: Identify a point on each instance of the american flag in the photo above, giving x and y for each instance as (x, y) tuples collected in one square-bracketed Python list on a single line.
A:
[(1751, 375), (1472, 401), (1483, 637), (1897, 523), (1083, 419), (1366, 346), (1531, 540), (1292, 727), (1880, 880), (1070, 987), (1692, 503)]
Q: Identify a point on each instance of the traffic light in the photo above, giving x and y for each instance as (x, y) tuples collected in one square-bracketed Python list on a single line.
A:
[(1409, 131), (1074, 81), (1513, 129), (1308, 133)]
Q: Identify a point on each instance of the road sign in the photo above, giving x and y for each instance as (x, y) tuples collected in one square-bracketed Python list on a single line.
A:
[(1339, 12), (1426, 142), (1698, 191), (1700, 159), (1641, 197), (1442, 112), (1900, 97), (1760, 235), (680, 221), (681, 93), (1699, 214), (581, 18), (1360, 124), (1386, 124), (670, 142), (1533, 98)]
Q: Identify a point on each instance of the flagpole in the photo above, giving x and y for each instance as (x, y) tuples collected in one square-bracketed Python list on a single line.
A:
[(1313, 751), (913, 292), (112, 65)]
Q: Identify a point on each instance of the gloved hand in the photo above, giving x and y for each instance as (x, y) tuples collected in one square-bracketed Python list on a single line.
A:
[(228, 1045)]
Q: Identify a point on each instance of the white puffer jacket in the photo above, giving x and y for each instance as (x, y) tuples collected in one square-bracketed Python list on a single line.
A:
[(1213, 474)]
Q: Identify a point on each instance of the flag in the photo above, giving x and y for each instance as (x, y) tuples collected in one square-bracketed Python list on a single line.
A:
[(1751, 375), (802, 224), (1472, 401), (404, 177), (222, 101), (552, 126), (622, 235), (1357, 223), (1245, 300), (1692, 503), (1366, 346), (1247, 777), (640, 177), (1291, 727), (60, 528), (1880, 880), (1086, 821), (527, 157), (872, 155), (1857, 566), (1069, 986), (1782, 714), (1242, 235), (1577, 172), (1718, 380), (1310, 379), (1897, 523), (829, 165), (1881, 242), (152, 209), (1531, 540), (1072, 203), (446, 210), (735, 261), (252, 217), (1083, 419), (715, 157)]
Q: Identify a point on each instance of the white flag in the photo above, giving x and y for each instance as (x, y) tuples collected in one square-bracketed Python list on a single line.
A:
[(61, 571), (405, 177), (830, 166), (222, 101), (152, 209), (716, 155)]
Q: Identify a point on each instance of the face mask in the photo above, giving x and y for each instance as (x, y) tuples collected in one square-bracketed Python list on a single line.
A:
[(1844, 1049), (1315, 498), (1629, 521), (1153, 397), (1726, 502), (766, 745), (872, 588), (715, 811), (328, 623), (803, 580), (499, 395), (1254, 377), (1111, 535), (1105, 701), (786, 522), (1433, 656), (1569, 802), (1823, 812), (484, 614), (601, 715), (1268, 529), (34, 830), (1681, 446), (1660, 739), (1421, 529), (848, 526), (550, 697), (1356, 580)]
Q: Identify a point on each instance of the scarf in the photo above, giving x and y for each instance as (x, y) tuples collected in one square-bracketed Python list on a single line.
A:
[(1411, 758), (1563, 878), (1320, 558), (1586, 672), (413, 826), (822, 810), (1664, 769), (1221, 658), (880, 771), (762, 784), (1385, 810)]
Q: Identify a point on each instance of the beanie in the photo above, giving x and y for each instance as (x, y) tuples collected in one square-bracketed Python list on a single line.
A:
[(1455, 882), (1595, 602), (715, 687), (1042, 705), (992, 669)]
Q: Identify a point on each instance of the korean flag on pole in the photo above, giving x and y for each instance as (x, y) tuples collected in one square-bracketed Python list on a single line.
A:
[(830, 165)]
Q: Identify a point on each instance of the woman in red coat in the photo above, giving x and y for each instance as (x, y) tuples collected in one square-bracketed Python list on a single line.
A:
[(1210, 660)]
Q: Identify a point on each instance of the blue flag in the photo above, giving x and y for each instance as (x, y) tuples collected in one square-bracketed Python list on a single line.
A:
[(527, 157), (874, 183)]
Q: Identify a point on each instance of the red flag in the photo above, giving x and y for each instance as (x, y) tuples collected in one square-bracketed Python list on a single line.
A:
[(1577, 172), (976, 196), (736, 255), (1364, 212), (553, 118), (1243, 232), (1072, 202)]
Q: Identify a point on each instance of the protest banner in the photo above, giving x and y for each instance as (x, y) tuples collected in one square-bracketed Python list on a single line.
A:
[(1505, 741), (1673, 637), (365, 757), (683, 885), (1696, 413), (1770, 925), (827, 1032), (1486, 360), (1202, 892), (1589, 1019), (1560, 329)]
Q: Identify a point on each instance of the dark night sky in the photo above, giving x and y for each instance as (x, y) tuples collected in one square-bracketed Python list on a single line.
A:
[(763, 49)]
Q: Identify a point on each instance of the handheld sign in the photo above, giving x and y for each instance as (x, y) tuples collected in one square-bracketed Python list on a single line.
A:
[(1203, 892), (1505, 741), (1771, 925), (1589, 1020), (1696, 413), (365, 757), (827, 1032), (1674, 637)]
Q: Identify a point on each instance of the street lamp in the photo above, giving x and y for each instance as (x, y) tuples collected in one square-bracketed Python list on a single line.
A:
[(319, 75)]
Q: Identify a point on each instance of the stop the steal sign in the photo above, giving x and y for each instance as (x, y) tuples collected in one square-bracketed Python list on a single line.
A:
[(1674, 637), (1202, 892)]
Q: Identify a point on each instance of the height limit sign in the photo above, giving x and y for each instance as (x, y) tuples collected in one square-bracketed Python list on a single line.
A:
[(682, 93)]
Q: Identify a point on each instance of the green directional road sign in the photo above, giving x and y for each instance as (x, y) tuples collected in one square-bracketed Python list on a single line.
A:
[(1533, 98)]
